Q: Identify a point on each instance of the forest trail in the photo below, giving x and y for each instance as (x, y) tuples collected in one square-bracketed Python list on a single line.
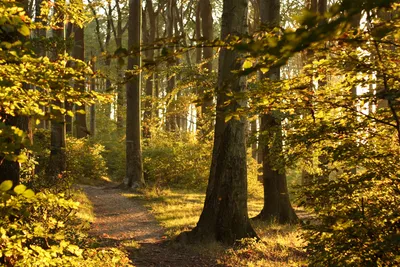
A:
[(120, 220)]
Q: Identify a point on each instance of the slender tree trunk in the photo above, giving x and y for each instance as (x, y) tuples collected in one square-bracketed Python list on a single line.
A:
[(276, 197), (134, 169), (149, 35), (204, 31), (208, 30), (57, 165), (224, 217), (69, 35), (170, 123), (199, 56), (253, 130), (118, 32), (40, 34), (80, 114), (93, 106)]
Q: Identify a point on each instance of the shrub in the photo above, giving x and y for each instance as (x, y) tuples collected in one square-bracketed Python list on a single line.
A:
[(359, 219), (85, 163), (177, 159), (41, 230), (115, 154)]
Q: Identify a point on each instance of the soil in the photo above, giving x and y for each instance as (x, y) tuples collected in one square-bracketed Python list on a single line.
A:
[(119, 219)]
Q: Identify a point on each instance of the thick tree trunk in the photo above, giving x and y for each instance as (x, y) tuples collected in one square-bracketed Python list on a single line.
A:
[(134, 173), (10, 170), (277, 205), (224, 217)]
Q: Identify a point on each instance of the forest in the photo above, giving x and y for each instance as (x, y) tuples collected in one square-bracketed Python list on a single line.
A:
[(199, 133)]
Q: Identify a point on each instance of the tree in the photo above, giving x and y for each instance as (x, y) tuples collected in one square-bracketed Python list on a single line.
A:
[(23, 70), (357, 212), (224, 217), (149, 36), (276, 196), (57, 164), (11, 124), (207, 30), (134, 172), (79, 53)]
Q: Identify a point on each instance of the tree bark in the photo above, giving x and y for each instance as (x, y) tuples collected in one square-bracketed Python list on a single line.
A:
[(208, 30), (118, 32), (93, 106), (224, 217), (170, 121), (57, 164), (277, 205), (81, 130), (10, 170), (134, 169), (149, 35)]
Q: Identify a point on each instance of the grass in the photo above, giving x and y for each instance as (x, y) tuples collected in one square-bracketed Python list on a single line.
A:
[(179, 210), (85, 211)]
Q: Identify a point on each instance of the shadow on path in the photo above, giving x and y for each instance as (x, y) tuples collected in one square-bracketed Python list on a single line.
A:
[(123, 222)]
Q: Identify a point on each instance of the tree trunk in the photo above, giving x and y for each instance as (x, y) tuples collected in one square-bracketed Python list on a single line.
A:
[(224, 217), (118, 32), (134, 173), (81, 130), (10, 170), (170, 123), (57, 164), (69, 35), (277, 205), (253, 130), (93, 106), (40, 50), (208, 30), (149, 35)]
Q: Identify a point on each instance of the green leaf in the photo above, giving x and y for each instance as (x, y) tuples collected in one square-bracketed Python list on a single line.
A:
[(19, 189), (6, 185), (247, 64), (28, 193), (228, 118), (24, 30)]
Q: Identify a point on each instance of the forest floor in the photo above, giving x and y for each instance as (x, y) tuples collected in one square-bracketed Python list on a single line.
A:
[(125, 222)]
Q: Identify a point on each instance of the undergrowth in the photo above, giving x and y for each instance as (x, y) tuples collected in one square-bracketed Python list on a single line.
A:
[(46, 229), (179, 210)]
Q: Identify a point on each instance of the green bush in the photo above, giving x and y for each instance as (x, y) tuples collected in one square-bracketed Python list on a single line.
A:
[(359, 219), (42, 230), (115, 154), (177, 160), (85, 163), (254, 185)]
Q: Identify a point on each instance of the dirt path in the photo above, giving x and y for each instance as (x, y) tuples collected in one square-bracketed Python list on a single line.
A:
[(119, 219)]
